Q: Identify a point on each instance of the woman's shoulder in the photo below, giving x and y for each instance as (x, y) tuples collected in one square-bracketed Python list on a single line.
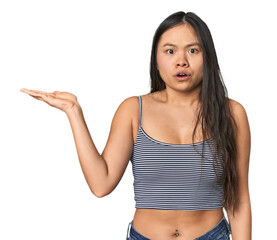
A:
[(129, 103), (133, 101), (238, 111), (236, 107), (232, 101)]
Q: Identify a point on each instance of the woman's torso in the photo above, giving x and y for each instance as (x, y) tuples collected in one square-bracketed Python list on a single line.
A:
[(158, 224), (164, 224)]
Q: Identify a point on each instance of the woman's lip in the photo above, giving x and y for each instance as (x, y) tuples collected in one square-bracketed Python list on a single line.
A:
[(182, 78)]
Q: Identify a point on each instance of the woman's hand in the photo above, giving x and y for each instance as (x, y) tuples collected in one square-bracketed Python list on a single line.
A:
[(64, 101)]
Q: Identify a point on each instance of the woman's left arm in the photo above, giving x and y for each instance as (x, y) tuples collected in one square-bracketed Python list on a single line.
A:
[(241, 222)]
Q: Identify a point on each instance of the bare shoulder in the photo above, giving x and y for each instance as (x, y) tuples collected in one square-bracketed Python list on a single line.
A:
[(126, 113), (130, 105), (242, 122), (238, 111), (129, 102)]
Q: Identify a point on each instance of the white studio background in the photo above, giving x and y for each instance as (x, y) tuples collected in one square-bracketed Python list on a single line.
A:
[(100, 51)]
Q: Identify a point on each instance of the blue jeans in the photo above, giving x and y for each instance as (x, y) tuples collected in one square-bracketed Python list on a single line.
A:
[(220, 232)]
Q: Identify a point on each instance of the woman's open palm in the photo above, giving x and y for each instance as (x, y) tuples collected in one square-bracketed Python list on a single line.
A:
[(61, 100)]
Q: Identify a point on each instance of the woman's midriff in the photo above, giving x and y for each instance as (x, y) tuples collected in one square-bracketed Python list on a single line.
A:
[(157, 224)]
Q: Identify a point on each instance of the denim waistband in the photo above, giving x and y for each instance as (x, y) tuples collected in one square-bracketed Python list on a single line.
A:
[(131, 228), (221, 228)]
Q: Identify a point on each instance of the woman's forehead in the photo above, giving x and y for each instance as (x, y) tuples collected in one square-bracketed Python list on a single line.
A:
[(182, 34)]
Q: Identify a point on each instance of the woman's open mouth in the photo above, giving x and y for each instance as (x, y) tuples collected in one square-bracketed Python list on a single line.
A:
[(182, 77)]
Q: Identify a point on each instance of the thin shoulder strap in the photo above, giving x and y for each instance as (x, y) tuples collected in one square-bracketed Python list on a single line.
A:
[(140, 110)]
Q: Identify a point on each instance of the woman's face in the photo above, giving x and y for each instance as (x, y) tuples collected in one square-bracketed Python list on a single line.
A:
[(177, 51)]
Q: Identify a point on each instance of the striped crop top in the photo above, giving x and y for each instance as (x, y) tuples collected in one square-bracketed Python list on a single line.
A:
[(167, 176)]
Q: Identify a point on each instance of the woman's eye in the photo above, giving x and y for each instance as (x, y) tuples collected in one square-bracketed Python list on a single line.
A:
[(194, 50), (169, 50)]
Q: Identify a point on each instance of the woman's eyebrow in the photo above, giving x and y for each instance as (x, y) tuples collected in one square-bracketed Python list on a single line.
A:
[(188, 45)]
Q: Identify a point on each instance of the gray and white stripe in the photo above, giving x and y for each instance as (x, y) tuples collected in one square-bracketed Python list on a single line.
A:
[(167, 176)]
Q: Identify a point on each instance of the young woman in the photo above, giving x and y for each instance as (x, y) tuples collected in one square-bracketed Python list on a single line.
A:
[(189, 144)]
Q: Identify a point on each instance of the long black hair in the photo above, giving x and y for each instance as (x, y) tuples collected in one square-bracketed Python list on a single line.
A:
[(215, 108)]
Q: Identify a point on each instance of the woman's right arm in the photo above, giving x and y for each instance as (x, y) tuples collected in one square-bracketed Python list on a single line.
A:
[(93, 165), (102, 172)]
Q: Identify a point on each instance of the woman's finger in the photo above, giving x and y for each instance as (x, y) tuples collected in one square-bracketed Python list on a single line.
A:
[(40, 95), (33, 92), (37, 93)]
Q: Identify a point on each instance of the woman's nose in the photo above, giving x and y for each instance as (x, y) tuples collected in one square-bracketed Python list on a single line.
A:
[(182, 61)]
